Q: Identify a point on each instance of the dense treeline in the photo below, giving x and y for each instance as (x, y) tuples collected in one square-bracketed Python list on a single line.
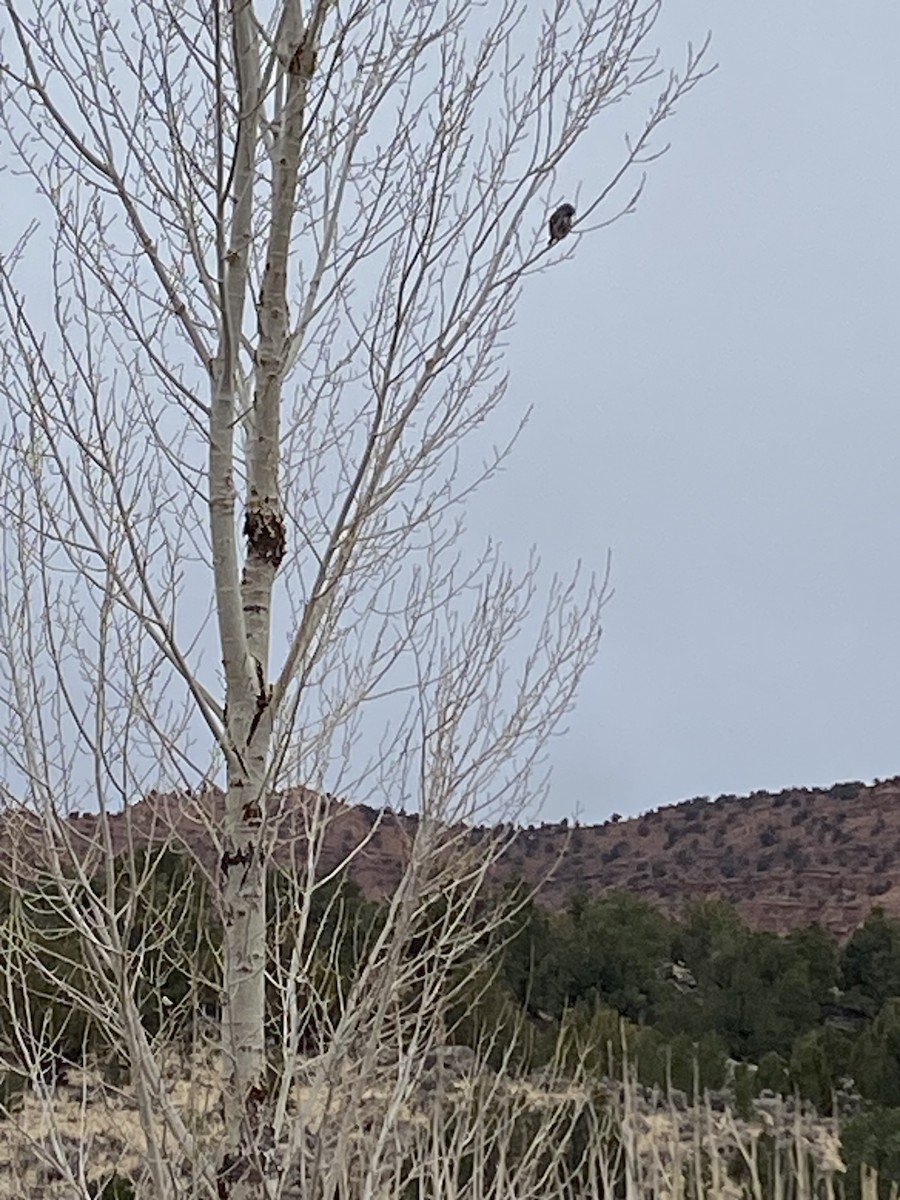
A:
[(706, 1002), (701, 1001), (807, 1012)]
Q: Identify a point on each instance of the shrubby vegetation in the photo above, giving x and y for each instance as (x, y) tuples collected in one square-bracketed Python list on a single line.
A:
[(709, 1003), (702, 1002)]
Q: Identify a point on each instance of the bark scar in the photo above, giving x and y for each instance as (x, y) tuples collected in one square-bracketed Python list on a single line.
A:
[(263, 699), (264, 529), (235, 858)]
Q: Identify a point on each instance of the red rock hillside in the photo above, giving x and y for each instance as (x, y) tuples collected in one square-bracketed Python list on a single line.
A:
[(784, 860)]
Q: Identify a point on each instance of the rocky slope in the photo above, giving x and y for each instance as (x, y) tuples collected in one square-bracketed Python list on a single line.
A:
[(784, 859)]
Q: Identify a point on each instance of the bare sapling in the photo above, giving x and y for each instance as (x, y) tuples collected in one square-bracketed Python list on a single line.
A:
[(259, 272)]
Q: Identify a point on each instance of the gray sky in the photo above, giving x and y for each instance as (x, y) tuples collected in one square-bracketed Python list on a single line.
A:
[(715, 391), (715, 383)]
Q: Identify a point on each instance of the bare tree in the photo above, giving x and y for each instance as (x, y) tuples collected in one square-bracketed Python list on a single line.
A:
[(274, 257)]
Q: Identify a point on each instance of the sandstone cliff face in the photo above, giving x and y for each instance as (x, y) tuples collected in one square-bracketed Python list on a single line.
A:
[(785, 860)]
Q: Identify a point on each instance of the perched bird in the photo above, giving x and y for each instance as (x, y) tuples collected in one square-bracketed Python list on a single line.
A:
[(561, 223)]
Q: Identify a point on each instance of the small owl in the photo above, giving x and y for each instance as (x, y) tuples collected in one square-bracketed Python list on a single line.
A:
[(561, 223)]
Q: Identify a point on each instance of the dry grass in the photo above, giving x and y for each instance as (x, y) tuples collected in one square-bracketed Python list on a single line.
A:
[(62, 1141)]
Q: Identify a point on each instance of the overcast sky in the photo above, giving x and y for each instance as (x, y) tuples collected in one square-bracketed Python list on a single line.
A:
[(715, 382)]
